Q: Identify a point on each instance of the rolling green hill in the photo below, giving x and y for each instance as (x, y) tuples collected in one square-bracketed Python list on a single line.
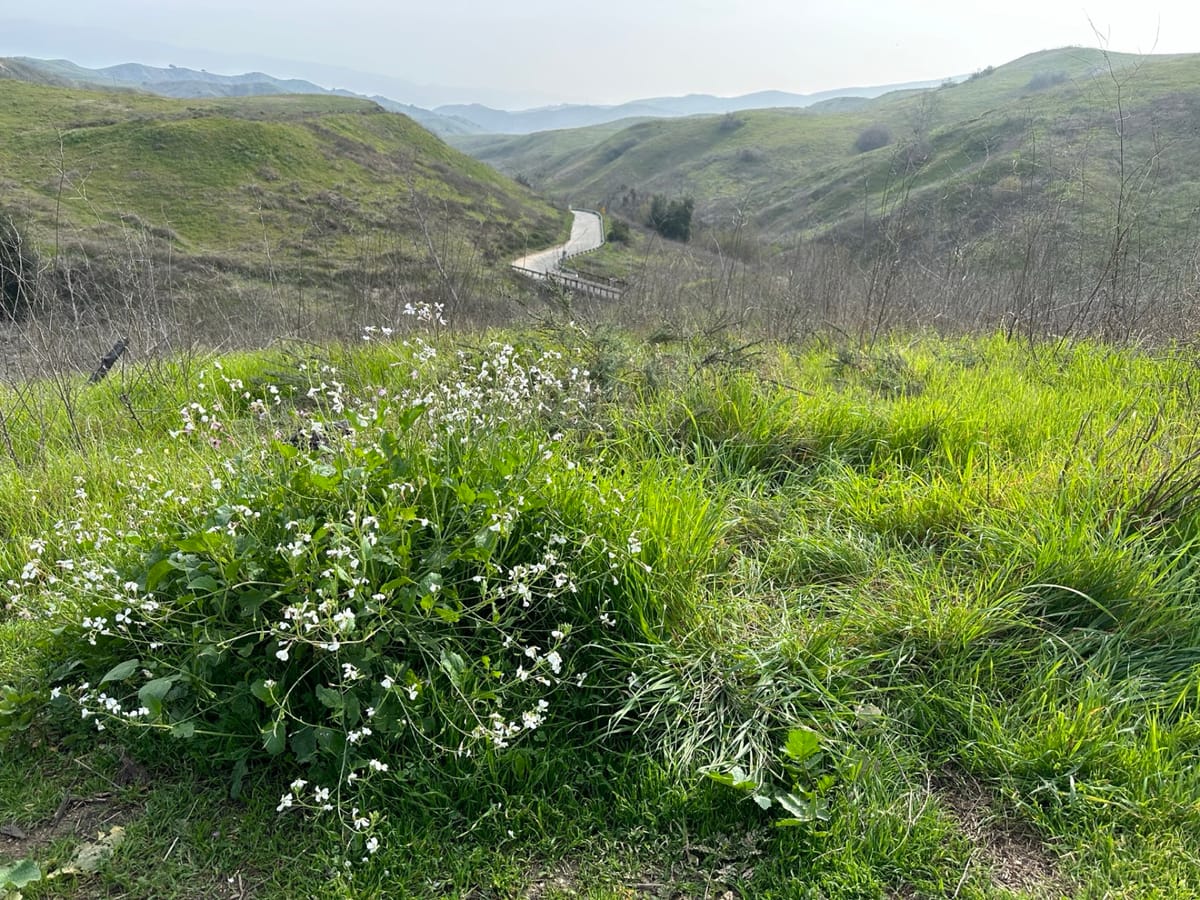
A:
[(224, 181), (182, 83), (971, 157)]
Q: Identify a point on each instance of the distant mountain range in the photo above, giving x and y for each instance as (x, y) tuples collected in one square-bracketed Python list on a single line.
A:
[(452, 120), (552, 118)]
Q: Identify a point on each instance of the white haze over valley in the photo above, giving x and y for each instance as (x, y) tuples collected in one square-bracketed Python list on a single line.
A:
[(538, 52)]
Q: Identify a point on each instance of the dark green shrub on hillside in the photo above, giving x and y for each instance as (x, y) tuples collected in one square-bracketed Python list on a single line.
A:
[(671, 218), (17, 268), (730, 122), (872, 138), (618, 230), (1043, 80)]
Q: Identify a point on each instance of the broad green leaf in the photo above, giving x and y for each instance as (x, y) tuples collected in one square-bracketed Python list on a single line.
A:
[(203, 584), (304, 743), (183, 730), (329, 698), (260, 690), (204, 542), (801, 744), (21, 873), (447, 615), (121, 671), (350, 712), (486, 539), (152, 694), (275, 737), (324, 476), (159, 571), (805, 809), (64, 670), (454, 665)]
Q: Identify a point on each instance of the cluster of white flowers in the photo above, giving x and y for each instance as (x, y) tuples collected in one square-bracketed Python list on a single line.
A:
[(96, 705), (504, 387), (338, 608), (198, 419)]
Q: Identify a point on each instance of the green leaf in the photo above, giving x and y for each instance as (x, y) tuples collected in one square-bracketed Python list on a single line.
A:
[(324, 476), (203, 542), (331, 740), (21, 873), (736, 779), (275, 737), (64, 670), (239, 776), (158, 572), (304, 743), (455, 666), (329, 698), (250, 602), (183, 730), (260, 690), (203, 584), (801, 744), (121, 671), (805, 809), (486, 539), (447, 615), (351, 711), (152, 693)]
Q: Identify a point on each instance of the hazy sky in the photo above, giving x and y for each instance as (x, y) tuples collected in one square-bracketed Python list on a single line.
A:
[(530, 52)]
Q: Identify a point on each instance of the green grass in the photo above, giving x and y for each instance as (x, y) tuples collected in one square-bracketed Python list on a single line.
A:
[(311, 174), (993, 149), (966, 568)]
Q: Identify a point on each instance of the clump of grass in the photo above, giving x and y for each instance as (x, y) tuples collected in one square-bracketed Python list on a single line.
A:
[(472, 599)]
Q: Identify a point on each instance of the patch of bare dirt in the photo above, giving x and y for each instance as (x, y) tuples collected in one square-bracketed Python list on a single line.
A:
[(1011, 851), (710, 869), (81, 818)]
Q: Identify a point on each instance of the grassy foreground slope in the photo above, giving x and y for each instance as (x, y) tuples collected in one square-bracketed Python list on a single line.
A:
[(927, 617), (225, 181), (974, 157)]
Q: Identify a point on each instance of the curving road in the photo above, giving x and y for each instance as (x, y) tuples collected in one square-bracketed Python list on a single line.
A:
[(587, 233)]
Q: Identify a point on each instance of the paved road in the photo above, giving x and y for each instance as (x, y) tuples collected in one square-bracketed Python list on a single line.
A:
[(587, 233)]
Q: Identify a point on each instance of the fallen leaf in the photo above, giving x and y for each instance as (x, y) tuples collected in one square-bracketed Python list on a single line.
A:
[(90, 856)]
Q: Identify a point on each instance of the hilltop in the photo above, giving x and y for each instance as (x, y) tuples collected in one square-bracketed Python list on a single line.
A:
[(184, 83), (972, 156), (265, 187)]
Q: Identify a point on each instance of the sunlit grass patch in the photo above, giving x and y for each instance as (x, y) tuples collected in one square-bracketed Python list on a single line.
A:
[(467, 616)]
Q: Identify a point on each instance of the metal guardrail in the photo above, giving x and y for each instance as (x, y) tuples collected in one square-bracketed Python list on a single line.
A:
[(572, 281)]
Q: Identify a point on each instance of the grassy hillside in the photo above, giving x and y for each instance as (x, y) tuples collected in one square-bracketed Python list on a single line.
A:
[(222, 181), (181, 83), (970, 157), (552, 614)]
